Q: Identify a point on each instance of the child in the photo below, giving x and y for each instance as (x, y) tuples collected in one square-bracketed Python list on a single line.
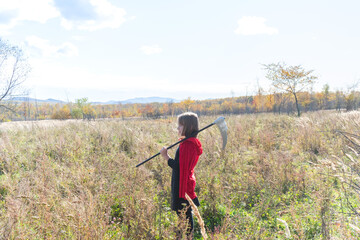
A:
[(187, 155)]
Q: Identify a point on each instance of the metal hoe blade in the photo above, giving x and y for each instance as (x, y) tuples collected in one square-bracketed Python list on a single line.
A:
[(220, 122)]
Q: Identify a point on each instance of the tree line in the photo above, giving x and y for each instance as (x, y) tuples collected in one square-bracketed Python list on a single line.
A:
[(261, 102)]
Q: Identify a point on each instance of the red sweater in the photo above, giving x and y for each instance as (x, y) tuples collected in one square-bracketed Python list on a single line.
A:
[(189, 152)]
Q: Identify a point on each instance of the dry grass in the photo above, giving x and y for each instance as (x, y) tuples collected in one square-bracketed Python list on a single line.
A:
[(77, 179), (197, 214)]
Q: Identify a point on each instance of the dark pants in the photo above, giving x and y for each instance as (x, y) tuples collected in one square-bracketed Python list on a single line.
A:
[(189, 218)]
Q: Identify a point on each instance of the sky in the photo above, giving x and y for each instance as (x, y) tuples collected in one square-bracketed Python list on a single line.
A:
[(115, 49)]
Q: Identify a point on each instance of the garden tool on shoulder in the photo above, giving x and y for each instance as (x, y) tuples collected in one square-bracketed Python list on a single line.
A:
[(220, 122)]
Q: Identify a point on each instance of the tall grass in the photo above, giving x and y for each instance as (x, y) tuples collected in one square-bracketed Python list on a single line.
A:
[(78, 180)]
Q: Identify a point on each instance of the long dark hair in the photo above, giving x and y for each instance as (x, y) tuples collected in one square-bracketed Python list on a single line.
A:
[(190, 121)]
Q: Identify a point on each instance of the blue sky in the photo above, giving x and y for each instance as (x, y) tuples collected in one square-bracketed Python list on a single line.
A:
[(116, 50)]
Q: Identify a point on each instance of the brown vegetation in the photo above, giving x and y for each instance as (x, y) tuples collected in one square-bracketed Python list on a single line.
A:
[(78, 180), (275, 102)]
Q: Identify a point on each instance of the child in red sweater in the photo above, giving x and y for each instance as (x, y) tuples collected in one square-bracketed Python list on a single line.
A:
[(186, 157)]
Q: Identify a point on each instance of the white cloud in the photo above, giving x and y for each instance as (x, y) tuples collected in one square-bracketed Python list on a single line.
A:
[(254, 25), (13, 12), (107, 16), (77, 77), (78, 38), (24, 10), (47, 50), (67, 49), (148, 50), (68, 25), (49, 74)]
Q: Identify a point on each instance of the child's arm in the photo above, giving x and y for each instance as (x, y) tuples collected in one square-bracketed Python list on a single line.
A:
[(164, 153), (173, 164)]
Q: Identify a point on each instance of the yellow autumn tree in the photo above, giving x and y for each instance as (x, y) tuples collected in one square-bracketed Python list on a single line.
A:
[(62, 113), (290, 79), (187, 103)]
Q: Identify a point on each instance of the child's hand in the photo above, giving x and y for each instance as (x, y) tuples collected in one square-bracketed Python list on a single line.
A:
[(164, 153)]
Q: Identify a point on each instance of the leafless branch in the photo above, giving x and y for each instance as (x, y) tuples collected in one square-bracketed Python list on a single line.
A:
[(13, 72)]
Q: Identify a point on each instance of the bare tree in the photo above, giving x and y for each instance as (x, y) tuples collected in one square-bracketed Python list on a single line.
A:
[(280, 100), (13, 72), (290, 79), (352, 97), (326, 93)]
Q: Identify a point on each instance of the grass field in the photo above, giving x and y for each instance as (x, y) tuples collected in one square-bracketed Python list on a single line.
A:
[(279, 177)]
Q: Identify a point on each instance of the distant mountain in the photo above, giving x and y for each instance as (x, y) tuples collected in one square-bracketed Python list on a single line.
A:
[(23, 99), (144, 100), (51, 100), (133, 100), (28, 99)]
